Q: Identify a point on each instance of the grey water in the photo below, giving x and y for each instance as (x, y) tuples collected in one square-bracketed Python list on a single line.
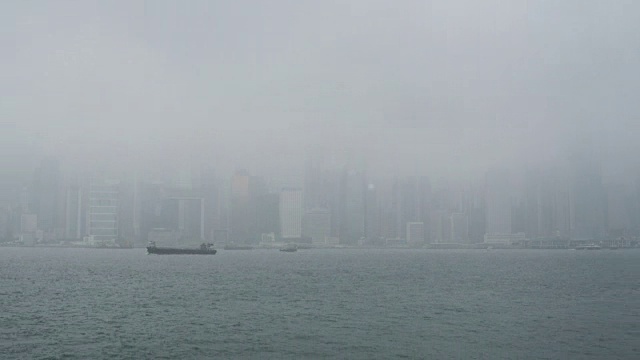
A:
[(357, 304)]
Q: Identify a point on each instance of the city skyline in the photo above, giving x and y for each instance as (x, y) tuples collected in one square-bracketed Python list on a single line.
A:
[(376, 179), (326, 203), (413, 118)]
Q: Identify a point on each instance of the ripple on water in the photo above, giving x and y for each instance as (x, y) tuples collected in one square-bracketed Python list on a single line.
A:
[(79, 303)]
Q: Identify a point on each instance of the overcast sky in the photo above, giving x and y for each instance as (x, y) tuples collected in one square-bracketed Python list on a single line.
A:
[(454, 86)]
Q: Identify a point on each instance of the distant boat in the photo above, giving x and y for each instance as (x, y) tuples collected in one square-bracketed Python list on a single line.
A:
[(205, 249), (289, 248)]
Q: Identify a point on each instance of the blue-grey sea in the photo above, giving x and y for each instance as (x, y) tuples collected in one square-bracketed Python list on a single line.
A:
[(352, 303)]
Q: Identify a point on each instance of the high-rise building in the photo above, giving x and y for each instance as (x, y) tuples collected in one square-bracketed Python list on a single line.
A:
[(415, 233), (245, 192), (73, 213), (619, 208), (28, 229), (538, 207), (313, 179), (151, 195), (102, 212), (372, 215), (560, 205), (18, 158), (210, 193), (498, 207), (291, 210), (440, 226), (6, 226), (425, 205), (268, 214), (352, 206), (459, 228), (317, 225), (44, 194), (588, 199), (476, 214), (414, 203), (184, 216)]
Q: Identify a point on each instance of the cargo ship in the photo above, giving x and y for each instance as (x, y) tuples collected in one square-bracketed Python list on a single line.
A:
[(205, 249)]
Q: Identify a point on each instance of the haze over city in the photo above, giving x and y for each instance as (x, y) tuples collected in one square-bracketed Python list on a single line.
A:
[(318, 95), (360, 179), (417, 87)]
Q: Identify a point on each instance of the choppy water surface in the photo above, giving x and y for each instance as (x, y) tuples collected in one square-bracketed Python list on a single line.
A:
[(83, 303)]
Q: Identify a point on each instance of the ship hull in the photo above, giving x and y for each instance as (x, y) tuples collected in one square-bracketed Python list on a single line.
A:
[(172, 251)]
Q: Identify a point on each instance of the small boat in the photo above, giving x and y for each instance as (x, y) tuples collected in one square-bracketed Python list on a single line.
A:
[(289, 248), (205, 249)]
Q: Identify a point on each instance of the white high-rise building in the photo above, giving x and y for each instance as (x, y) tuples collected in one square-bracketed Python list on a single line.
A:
[(291, 210), (102, 219)]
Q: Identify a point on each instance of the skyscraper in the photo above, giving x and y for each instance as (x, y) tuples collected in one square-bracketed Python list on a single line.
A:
[(44, 194), (317, 225), (352, 206), (210, 193), (459, 228), (73, 213), (498, 207), (588, 199), (291, 210), (245, 192), (415, 233), (313, 179), (102, 212), (184, 216)]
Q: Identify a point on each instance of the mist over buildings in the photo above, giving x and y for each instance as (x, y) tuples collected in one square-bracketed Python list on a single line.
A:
[(443, 89)]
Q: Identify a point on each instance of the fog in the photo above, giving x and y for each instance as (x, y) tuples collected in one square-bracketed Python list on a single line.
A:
[(445, 88), (377, 179)]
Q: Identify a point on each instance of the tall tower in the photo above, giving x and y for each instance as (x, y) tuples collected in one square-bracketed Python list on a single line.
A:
[(102, 212), (44, 194), (246, 191), (587, 199), (352, 207), (498, 207), (291, 211), (313, 179), (73, 213)]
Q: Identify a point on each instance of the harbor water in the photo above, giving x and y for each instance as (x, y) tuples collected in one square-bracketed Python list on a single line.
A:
[(60, 303)]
